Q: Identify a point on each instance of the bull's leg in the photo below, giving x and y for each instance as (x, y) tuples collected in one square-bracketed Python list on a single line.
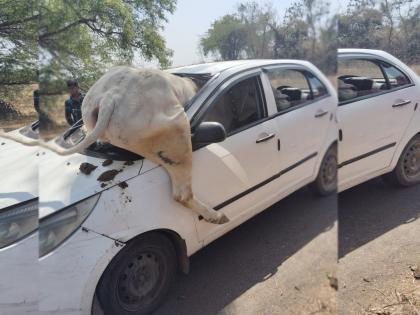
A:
[(182, 192), (171, 148)]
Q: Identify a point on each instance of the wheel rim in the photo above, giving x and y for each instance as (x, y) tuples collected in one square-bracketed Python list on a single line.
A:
[(329, 172), (411, 163), (140, 281)]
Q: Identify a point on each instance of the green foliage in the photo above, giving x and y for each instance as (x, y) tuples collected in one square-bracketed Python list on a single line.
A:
[(257, 20), (226, 37), (390, 25), (61, 39), (83, 38), (307, 31), (18, 42)]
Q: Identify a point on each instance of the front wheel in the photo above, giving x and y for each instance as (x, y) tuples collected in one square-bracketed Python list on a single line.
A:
[(407, 171), (138, 278), (326, 181)]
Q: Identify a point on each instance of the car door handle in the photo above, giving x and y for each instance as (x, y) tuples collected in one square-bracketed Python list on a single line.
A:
[(265, 138), (320, 113), (402, 103)]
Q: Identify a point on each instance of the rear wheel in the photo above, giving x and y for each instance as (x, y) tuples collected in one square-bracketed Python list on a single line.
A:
[(407, 171), (326, 181), (138, 278)]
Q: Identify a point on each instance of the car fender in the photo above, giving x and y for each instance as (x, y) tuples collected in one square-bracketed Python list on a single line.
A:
[(145, 205)]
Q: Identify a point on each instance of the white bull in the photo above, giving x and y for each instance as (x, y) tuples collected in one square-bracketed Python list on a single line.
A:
[(143, 111)]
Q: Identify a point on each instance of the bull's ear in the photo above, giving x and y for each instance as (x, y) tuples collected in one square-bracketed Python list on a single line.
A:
[(208, 132)]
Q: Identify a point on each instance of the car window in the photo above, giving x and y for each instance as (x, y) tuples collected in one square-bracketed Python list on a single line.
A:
[(396, 77), (239, 106), (358, 77), (318, 89), (290, 88)]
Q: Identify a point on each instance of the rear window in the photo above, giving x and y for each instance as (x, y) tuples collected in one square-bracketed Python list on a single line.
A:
[(359, 78), (396, 77)]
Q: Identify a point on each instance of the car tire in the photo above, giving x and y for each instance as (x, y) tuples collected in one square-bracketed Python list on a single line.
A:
[(326, 180), (407, 171), (138, 278)]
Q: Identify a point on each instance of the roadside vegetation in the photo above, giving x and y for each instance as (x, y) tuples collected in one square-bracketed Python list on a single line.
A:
[(44, 43)]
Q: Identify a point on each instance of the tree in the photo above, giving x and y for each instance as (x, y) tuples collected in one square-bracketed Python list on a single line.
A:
[(391, 25), (257, 20), (226, 38), (18, 42), (83, 38), (290, 36), (307, 31)]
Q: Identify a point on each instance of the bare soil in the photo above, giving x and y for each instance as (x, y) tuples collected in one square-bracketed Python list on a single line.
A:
[(87, 168), (379, 250), (108, 175)]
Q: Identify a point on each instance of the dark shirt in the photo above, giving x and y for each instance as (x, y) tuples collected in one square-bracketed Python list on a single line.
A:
[(73, 110)]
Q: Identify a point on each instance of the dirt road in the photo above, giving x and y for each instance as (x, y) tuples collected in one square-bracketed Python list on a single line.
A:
[(276, 263), (379, 237)]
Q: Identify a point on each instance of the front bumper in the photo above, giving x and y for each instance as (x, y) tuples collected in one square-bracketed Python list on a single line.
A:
[(69, 274), (19, 276)]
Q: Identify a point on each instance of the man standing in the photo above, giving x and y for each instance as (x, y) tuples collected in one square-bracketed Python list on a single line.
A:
[(74, 103)]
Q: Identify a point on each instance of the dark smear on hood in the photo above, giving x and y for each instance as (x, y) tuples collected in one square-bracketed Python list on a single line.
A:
[(107, 175), (107, 162), (123, 185), (103, 185), (87, 168), (128, 163)]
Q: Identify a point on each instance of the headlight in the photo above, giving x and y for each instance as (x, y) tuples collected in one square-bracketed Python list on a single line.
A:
[(57, 227), (18, 221)]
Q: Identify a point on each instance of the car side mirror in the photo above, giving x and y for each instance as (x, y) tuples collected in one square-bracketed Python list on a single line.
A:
[(209, 132)]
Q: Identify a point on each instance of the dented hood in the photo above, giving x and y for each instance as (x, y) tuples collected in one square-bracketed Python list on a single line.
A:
[(18, 172), (62, 182)]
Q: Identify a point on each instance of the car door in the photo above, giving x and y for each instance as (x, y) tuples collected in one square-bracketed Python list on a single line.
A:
[(304, 116), (229, 176), (375, 107)]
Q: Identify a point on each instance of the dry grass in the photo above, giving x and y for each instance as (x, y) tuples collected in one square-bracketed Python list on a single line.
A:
[(397, 303), (20, 100), (23, 101), (53, 105)]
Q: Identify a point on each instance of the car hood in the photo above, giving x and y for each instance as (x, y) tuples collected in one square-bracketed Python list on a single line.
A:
[(62, 182), (19, 172)]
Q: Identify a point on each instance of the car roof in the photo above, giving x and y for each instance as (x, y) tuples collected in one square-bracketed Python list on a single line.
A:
[(375, 52), (217, 67)]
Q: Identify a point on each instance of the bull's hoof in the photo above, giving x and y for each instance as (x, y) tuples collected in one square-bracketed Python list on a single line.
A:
[(220, 219)]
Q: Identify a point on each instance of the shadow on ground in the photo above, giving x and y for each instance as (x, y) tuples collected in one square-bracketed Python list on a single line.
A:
[(248, 255), (369, 210)]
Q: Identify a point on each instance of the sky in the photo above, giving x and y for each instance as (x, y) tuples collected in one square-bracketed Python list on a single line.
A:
[(192, 19)]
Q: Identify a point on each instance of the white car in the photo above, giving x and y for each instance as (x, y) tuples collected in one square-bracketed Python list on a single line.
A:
[(261, 130), (379, 119), (18, 224)]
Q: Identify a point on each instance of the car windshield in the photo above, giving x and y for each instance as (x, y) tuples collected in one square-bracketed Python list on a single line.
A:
[(200, 79), (98, 149)]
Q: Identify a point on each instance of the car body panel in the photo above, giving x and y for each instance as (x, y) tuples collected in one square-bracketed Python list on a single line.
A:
[(19, 173), (220, 171), (18, 261), (373, 127), (68, 276), (19, 277), (62, 183)]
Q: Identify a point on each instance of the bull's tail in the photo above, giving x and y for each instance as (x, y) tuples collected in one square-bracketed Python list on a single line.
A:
[(104, 116), (18, 138)]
